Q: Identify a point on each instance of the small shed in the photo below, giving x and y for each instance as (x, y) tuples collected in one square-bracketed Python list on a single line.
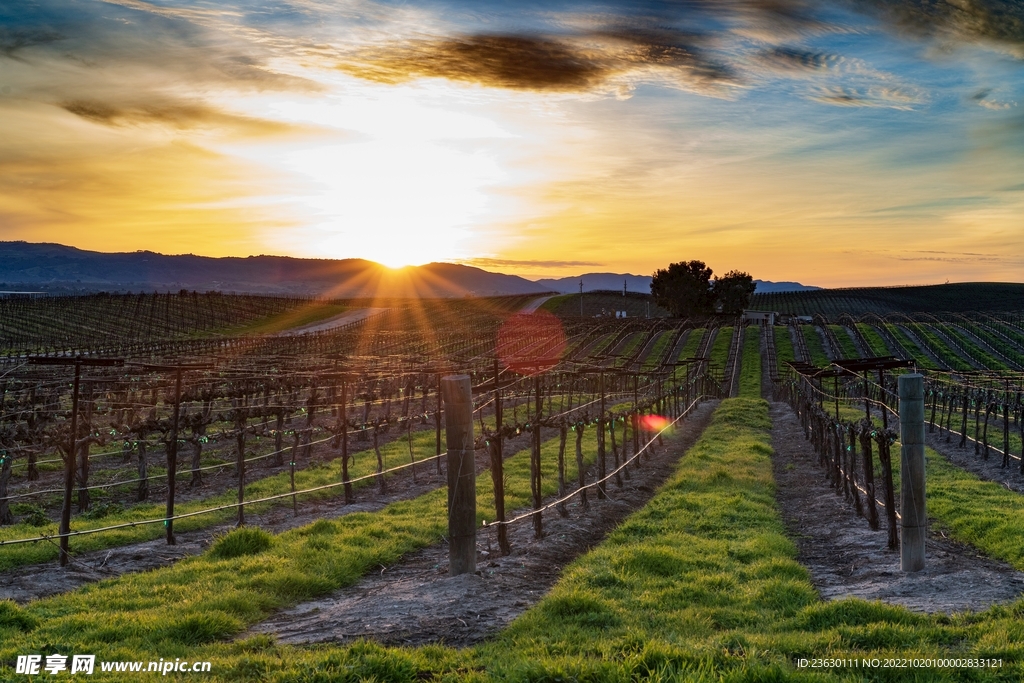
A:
[(759, 317)]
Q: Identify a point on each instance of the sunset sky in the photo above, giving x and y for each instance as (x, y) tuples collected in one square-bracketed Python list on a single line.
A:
[(842, 143)]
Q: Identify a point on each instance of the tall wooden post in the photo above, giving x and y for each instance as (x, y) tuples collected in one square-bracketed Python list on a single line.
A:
[(343, 413), (172, 458), (601, 454), (498, 466), (458, 403), (69, 471), (535, 477), (437, 424), (914, 522)]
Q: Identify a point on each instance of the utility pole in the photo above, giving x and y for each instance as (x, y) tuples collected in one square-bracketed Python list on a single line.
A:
[(581, 297)]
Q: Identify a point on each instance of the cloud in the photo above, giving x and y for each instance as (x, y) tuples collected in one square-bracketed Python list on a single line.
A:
[(170, 113), (999, 21), (891, 97), (504, 61), (798, 59), (577, 63), (14, 40)]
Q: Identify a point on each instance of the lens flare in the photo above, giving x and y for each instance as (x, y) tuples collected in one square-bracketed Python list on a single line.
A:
[(654, 423), (531, 342)]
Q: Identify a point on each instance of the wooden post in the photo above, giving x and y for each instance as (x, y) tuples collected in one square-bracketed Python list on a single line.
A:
[(458, 405), (69, 471), (601, 455), (535, 478), (172, 459), (437, 425), (914, 522), (498, 466), (343, 413)]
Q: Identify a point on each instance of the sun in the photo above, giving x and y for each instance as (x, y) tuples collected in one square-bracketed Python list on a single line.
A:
[(407, 183)]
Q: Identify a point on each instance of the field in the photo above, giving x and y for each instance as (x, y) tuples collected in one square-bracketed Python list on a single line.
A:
[(278, 506)]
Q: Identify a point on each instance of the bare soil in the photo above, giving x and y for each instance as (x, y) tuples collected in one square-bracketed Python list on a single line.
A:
[(846, 558), (415, 601)]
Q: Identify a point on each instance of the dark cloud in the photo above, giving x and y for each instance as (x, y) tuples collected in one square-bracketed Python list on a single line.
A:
[(522, 62), (12, 40), (175, 114), (518, 62), (798, 59), (1001, 21)]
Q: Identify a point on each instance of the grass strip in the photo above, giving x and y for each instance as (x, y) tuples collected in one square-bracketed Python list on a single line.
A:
[(846, 345), (249, 573), (654, 358), (311, 312), (719, 353), (815, 346), (750, 369), (983, 513), (783, 348), (918, 355), (316, 474), (876, 345), (689, 349)]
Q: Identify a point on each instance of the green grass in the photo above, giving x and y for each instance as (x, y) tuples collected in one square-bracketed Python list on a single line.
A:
[(815, 346), (846, 345), (311, 313), (555, 303), (920, 357), (632, 343), (939, 347), (783, 348), (719, 353), (982, 513), (248, 573), (317, 474), (876, 344), (658, 350), (701, 584), (691, 344), (750, 370)]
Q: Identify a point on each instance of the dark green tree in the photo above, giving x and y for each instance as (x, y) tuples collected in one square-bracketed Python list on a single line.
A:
[(732, 292), (684, 289)]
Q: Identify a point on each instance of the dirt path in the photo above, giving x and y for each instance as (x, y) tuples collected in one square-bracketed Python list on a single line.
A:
[(536, 303), (346, 318), (416, 602), (846, 558)]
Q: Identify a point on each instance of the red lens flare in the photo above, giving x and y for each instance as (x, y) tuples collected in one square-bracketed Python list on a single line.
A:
[(531, 342), (654, 423)]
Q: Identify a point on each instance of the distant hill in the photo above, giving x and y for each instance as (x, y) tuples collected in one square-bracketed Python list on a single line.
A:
[(593, 282), (57, 268), (953, 298)]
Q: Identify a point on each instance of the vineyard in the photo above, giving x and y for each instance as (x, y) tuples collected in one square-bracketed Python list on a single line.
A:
[(288, 468)]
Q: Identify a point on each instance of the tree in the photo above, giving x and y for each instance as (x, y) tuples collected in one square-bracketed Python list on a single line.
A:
[(732, 292), (684, 289)]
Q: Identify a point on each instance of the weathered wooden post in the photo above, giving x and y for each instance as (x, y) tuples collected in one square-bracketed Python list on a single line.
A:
[(458, 412), (914, 523)]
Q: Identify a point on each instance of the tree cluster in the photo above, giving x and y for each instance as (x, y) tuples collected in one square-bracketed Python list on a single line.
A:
[(688, 289)]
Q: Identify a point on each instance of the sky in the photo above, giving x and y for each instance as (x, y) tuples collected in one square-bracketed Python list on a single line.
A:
[(830, 142)]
